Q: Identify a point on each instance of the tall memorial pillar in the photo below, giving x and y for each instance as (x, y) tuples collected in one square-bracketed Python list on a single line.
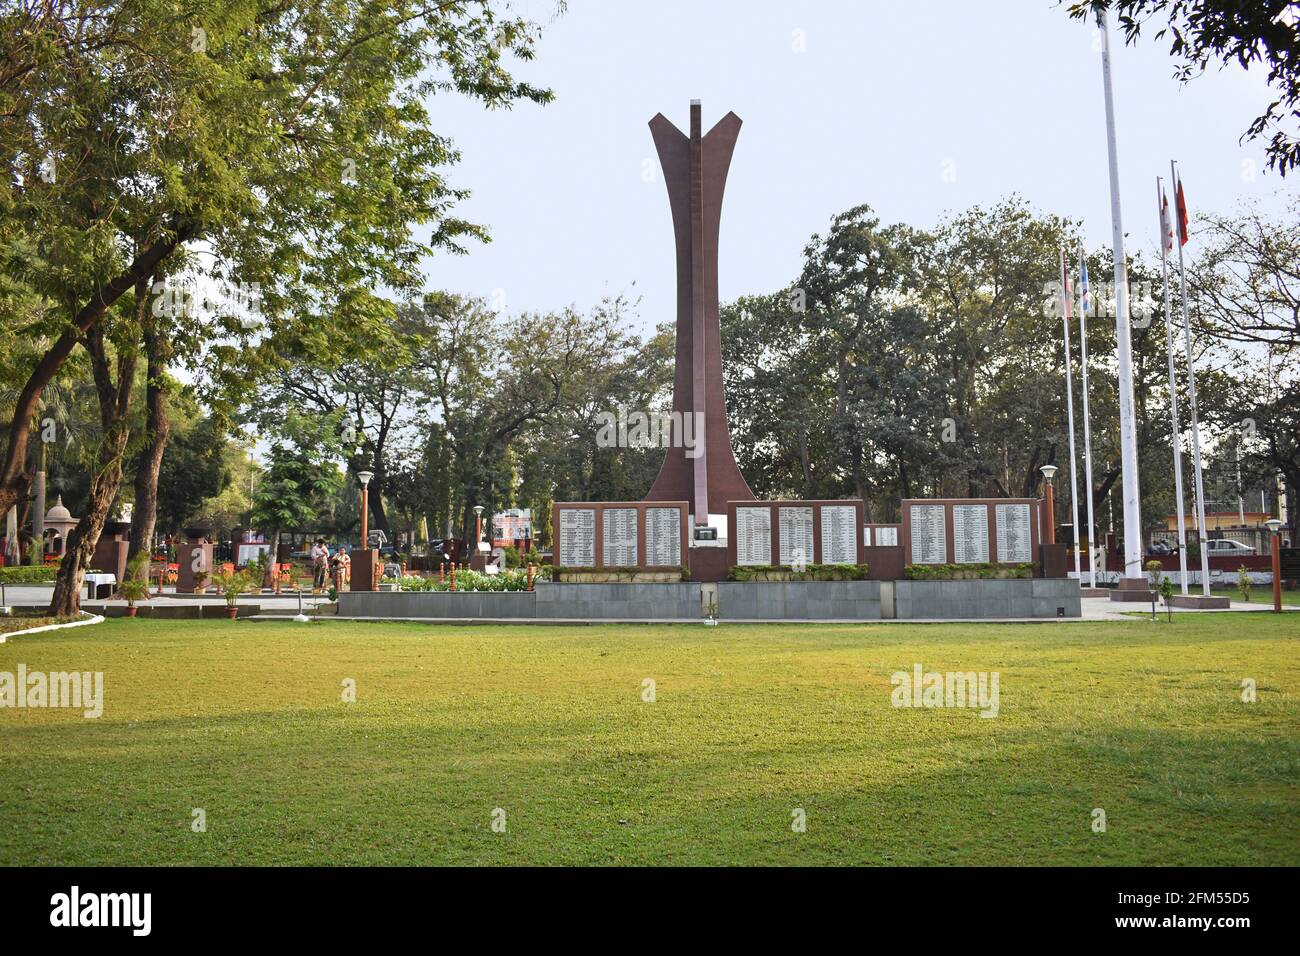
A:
[(705, 475)]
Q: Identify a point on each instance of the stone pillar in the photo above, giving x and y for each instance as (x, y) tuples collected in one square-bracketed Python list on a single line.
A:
[(191, 558)]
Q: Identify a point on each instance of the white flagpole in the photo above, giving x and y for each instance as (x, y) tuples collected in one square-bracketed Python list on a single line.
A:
[(1087, 424), (1191, 402), (1069, 407), (1127, 424), (1162, 209)]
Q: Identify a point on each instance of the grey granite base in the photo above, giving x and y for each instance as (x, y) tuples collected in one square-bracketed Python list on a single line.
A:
[(1025, 598), (799, 600), (1014, 598)]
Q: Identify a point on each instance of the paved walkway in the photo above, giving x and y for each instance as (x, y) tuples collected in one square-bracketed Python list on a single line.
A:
[(36, 595), (1104, 609)]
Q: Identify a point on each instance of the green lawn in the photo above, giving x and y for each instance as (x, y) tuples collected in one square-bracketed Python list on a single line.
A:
[(245, 721), (1259, 594)]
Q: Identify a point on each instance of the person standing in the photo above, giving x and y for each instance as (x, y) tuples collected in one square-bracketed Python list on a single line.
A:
[(319, 565), (345, 567)]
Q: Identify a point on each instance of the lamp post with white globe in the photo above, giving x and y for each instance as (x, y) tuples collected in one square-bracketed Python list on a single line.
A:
[(1049, 504), (1275, 526)]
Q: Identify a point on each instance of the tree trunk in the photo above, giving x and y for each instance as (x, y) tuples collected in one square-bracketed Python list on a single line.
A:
[(114, 404), (104, 486), (13, 475), (145, 516), (268, 575)]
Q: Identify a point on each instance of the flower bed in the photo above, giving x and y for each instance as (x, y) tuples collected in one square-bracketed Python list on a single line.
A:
[(813, 572), (470, 580), (620, 575), (967, 572)]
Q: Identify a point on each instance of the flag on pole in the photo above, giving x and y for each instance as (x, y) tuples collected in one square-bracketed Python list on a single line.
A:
[(1166, 230), (1182, 212), (1083, 291)]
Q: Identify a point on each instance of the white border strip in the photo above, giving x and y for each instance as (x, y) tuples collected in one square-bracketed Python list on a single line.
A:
[(93, 619)]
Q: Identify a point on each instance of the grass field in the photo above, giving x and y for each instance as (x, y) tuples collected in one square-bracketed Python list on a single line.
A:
[(245, 721), (1259, 594)]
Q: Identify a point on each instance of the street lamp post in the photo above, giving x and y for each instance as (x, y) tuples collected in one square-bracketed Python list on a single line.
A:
[(364, 477), (478, 536), (366, 565), (1275, 526), (1049, 532)]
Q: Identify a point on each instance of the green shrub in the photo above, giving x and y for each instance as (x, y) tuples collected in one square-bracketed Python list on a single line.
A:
[(467, 580), (967, 572), (813, 572), (29, 574), (510, 557)]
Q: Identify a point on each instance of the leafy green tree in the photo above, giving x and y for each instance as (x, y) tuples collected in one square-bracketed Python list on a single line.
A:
[(1227, 31), (290, 141), (300, 480), (195, 470)]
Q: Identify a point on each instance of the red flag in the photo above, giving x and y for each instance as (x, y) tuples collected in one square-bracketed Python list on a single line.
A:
[(1182, 213), (1166, 230)]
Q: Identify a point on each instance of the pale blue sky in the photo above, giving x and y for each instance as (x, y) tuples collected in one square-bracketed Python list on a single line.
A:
[(881, 96)]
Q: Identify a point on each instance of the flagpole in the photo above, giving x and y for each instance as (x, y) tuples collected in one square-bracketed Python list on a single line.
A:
[(1127, 425), (1087, 418), (1069, 407), (1162, 206), (1191, 400)]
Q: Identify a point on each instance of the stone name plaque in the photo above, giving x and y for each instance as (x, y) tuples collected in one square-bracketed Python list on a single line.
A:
[(663, 537), (578, 537), (796, 526), (887, 537), (970, 534), (1014, 524), (929, 540), (753, 536), (618, 529), (839, 534)]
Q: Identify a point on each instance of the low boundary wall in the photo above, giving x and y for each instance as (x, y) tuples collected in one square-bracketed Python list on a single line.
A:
[(1024, 598)]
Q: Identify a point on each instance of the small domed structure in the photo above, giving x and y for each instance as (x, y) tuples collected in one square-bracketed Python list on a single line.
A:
[(60, 521)]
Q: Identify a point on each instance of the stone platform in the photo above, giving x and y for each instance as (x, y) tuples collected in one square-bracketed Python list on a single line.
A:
[(1011, 599)]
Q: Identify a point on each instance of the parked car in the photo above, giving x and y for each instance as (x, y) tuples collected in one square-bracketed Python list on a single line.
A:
[(1161, 547), (1225, 547)]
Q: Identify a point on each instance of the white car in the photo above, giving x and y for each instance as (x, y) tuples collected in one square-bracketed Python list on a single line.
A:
[(1223, 547)]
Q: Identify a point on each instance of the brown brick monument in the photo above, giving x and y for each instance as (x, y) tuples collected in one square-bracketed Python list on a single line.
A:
[(695, 172)]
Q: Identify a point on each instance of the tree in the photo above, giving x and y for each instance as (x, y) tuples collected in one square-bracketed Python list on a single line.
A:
[(301, 476), (291, 140), (371, 390), (1244, 31), (196, 469), (1245, 300), (113, 364), (490, 379)]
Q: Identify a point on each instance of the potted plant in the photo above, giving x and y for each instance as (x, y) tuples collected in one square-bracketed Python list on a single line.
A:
[(200, 582), (1243, 583), (135, 587), (232, 584)]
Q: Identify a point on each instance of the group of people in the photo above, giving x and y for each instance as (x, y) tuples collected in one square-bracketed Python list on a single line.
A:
[(326, 567)]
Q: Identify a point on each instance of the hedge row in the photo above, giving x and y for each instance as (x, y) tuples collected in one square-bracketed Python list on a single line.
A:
[(784, 572), (28, 574), (967, 572)]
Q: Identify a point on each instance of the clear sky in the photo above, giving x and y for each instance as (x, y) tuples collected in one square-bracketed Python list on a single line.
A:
[(843, 103)]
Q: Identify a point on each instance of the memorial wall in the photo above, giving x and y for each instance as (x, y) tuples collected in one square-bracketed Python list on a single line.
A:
[(648, 535), (771, 533), (970, 530)]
